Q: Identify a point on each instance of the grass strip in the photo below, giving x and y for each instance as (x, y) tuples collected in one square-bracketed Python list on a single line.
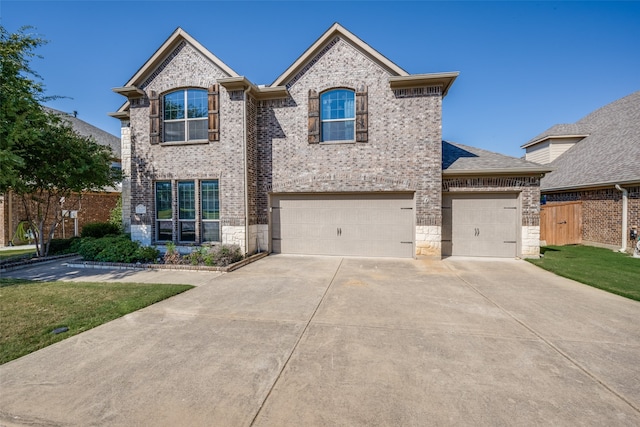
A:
[(16, 253), (30, 311), (601, 268)]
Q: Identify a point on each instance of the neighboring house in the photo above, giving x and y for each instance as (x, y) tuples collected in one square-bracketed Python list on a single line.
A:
[(596, 162), (93, 206), (341, 155)]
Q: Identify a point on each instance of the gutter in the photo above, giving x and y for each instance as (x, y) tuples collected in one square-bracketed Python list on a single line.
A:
[(625, 204)]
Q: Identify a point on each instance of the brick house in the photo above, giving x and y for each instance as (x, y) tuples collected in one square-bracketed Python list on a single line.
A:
[(91, 207), (341, 155), (595, 164)]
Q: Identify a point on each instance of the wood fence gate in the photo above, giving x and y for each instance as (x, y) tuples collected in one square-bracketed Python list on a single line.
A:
[(561, 223)]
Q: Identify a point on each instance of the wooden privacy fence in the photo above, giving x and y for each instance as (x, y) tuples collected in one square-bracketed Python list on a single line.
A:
[(561, 223)]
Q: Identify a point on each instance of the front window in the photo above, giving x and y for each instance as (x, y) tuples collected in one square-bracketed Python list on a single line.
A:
[(210, 200), (197, 212), (186, 211), (337, 115), (185, 115), (164, 214)]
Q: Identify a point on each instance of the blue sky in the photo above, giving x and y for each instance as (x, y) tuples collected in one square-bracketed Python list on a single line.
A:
[(524, 66)]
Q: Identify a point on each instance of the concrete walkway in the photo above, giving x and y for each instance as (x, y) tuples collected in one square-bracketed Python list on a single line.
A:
[(315, 341)]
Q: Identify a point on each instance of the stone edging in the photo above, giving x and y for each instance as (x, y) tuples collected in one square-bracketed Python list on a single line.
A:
[(178, 267), (10, 266)]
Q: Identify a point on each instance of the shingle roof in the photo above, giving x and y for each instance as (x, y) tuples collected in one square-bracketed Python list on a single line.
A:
[(561, 130), (86, 129), (609, 155), (462, 159)]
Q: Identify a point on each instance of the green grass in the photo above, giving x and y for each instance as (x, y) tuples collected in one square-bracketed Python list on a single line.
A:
[(16, 253), (30, 311), (601, 268)]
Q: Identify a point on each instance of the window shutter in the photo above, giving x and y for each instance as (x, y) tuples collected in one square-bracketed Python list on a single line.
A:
[(154, 117), (214, 112), (314, 117), (362, 114)]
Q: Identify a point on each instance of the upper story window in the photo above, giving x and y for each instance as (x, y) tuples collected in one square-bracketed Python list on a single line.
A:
[(185, 115), (337, 115)]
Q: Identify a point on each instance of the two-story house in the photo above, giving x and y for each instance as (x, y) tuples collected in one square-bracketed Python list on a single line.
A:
[(341, 155)]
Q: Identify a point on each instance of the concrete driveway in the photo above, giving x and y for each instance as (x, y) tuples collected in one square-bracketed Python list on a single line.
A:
[(315, 341)]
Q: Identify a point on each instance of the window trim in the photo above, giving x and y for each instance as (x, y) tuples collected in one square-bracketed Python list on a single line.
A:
[(349, 119)]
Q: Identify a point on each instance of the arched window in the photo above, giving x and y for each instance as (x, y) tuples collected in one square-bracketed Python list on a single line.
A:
[(337, 115), (185, 115)]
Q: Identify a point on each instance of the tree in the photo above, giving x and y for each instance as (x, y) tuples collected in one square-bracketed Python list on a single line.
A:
[(20, 99), (49, 164)]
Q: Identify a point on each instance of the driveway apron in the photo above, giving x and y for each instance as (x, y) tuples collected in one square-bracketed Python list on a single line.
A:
[(295, 340)]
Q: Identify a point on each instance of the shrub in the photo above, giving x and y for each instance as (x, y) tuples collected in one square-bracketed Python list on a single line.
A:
[(147, 254), (89, 248), (172, 256), (100, 229), (224, 255), (116, 249), (62, 246)]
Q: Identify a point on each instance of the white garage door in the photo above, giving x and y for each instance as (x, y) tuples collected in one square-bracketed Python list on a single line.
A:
[(480, 225), (355, 224)]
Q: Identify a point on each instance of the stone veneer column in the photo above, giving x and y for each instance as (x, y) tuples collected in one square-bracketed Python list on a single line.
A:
[(125, 147), (428, 240)]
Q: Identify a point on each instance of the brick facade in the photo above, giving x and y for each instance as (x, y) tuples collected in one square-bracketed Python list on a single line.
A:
[(602, 213), (92, 207), (398, 149)]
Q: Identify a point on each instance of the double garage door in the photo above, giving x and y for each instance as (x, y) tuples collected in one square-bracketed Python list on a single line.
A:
[(480, 225), (364, 224)]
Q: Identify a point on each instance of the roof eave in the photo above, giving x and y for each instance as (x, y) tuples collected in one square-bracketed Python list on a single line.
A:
[(129, 91), (545, 138), (508, 171), (445, 80), (594, 185), (260, 93)]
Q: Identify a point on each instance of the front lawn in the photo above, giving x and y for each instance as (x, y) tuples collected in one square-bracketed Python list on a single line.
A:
[(31, 311), (16, 253), (601, 268)]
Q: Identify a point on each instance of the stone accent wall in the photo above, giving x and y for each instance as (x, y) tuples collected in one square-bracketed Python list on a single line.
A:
[(428, 240), (222, 160), (530, 241), (403, 151), (602, 213), (125, 147)]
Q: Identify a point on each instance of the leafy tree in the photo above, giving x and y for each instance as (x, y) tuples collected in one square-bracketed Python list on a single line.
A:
[(20, 99), (48, 164)]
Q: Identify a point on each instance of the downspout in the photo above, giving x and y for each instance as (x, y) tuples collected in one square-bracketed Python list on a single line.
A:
[(246, 172), (625, 203)]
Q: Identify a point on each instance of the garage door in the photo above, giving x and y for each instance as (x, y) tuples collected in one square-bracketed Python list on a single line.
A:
[(480, 225), (355, 224)]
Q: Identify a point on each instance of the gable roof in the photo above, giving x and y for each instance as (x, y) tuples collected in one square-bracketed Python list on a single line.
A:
[(458, 159), (608, 155), (177, 37), (132, 88), (337, 30), (85, 129)]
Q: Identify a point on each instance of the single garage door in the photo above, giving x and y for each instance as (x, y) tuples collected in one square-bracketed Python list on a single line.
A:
[(363, 224), (480, 225)]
